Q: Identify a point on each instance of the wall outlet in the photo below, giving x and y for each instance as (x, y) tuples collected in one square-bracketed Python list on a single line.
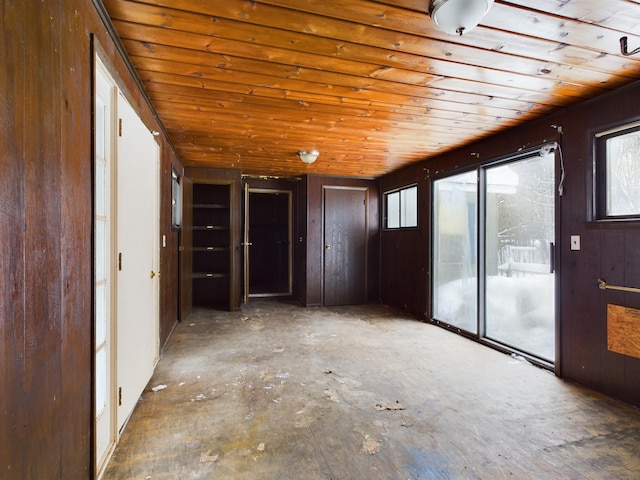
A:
[(575, 242)]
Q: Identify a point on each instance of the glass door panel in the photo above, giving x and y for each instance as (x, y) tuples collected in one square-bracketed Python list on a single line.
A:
[(519, 238), (455, 296)]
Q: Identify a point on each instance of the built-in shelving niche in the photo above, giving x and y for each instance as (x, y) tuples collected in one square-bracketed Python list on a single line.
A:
[(212, 240)]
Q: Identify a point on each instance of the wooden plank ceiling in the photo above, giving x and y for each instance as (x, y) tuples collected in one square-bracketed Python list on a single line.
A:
[(372, 85)]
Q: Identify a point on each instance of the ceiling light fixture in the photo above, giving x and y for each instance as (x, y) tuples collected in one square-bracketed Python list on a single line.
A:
[(309, 157), (458, 16)]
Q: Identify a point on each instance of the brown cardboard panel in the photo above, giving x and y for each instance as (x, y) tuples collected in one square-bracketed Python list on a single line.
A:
[(623, 330)]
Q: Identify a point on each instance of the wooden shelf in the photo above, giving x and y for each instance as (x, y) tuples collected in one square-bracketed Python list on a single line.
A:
[(211, 249), (205, 275), (211, 245), (211, 205), (211, 227)]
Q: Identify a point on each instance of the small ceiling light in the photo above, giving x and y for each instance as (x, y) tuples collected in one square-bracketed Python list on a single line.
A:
[(309, 157), (458, 16)]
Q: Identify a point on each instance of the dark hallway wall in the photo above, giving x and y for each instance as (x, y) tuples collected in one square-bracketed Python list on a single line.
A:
[(46, 235), (609, 250)]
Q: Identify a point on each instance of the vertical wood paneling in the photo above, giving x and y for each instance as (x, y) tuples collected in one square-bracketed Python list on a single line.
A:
[(631, 372), (76, 160), (604, 254), (46, 227), (12, 315), (169, 289), (406, 247), (42, 244), (373, 242), (301, 240), (581, 339), (612, 267), (313, 265)]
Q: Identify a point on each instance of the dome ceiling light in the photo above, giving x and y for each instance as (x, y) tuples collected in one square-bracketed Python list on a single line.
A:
[(458, 16), (309, 157)]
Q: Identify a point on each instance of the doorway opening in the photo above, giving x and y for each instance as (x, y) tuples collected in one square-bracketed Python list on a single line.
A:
[(268, 245)]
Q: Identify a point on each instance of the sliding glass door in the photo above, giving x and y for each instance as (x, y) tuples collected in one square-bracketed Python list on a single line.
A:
[(455, 239), (519, 242), (513, 303)]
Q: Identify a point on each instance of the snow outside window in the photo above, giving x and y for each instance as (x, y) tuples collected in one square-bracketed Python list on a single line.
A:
[(618, 173)]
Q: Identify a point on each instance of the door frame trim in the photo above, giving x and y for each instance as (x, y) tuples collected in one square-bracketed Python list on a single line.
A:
[(98, 465)]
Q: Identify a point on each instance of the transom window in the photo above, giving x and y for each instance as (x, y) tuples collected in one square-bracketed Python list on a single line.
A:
[(401, 207), (617, 181)]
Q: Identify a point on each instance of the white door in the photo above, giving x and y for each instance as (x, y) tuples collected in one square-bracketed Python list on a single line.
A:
[(105, 92), (137, 258)]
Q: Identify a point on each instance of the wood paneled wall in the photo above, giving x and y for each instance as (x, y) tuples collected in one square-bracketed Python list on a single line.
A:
[(608, 251), (311, 294), (46, 353), (169, 263), (404, 256)]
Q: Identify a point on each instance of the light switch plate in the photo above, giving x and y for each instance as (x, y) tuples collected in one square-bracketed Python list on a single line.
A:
[(575, 242)]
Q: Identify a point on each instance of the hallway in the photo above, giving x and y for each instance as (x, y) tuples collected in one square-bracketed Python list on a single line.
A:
[(364, 392)]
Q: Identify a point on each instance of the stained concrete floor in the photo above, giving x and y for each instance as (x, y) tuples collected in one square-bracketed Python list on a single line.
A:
[(278, 391)]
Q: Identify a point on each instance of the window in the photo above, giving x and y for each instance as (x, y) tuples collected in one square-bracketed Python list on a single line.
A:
[(401, 207), (617, 181), (176, 200)]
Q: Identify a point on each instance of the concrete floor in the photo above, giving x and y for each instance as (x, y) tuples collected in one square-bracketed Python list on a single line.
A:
[(282, 392)]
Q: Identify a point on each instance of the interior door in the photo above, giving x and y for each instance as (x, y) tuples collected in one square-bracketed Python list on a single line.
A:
[(137, 247), (345, 246)]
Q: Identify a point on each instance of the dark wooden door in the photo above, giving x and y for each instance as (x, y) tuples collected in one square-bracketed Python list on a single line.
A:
[(345, 246)]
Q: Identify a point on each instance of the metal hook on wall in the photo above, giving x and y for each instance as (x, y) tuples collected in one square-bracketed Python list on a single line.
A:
[(624, 46)]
